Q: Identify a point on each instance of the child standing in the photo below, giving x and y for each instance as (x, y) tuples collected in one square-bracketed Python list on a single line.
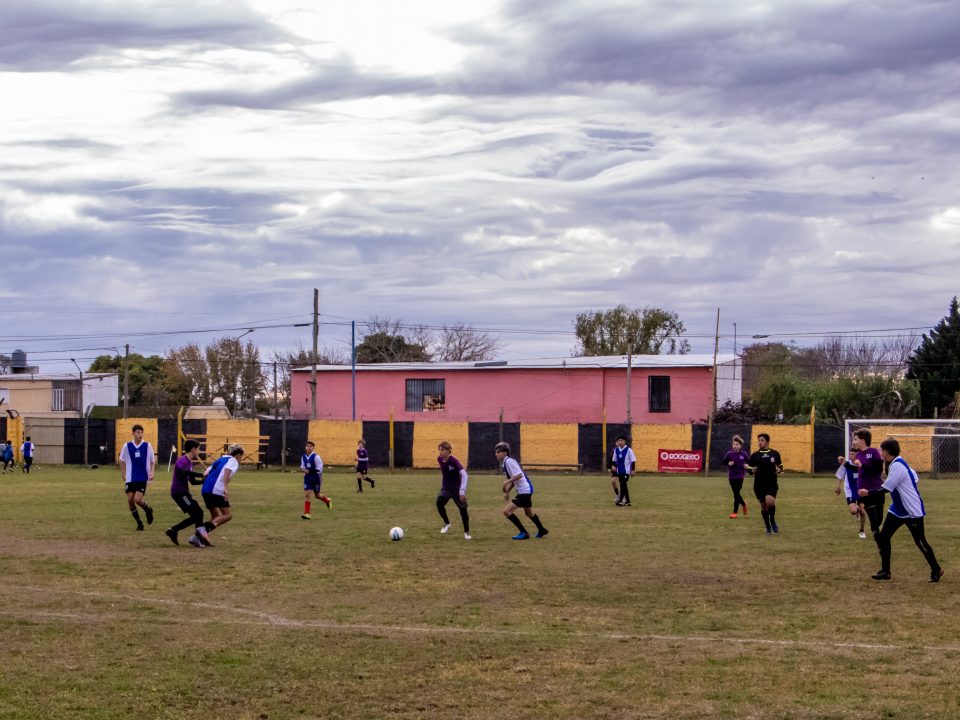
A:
[(736, 461), (363, 460), (624, 463)]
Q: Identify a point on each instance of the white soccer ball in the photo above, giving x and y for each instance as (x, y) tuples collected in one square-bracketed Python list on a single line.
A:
[(396, 534)]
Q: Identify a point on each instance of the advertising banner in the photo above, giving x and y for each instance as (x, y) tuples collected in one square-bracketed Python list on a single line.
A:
[(680, 461)]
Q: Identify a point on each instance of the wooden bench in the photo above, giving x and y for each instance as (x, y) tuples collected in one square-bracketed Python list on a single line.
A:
[(553, 466)]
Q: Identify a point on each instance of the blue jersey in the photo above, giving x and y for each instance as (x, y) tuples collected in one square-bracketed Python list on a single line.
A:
[(623, 459), (210, 481), (8, 453), (308, 463), (136, 462), (28, 452)]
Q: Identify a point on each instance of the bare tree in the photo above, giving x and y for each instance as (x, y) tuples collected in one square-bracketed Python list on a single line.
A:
[(461, 342), (856, 356), (302, 357)]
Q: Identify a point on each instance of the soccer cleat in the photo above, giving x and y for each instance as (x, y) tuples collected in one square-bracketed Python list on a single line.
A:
[(521, 536), (882, 575), (863, 535), (776, 529), (466, 536), (149, 513), (140, 527), (542, 533), (360, 490), (305, 516), (768, 531), (195, 541), (936, 575), (745, 510), (172, 534), (372, 483), (329, 503), (732, 516), (445, 529)]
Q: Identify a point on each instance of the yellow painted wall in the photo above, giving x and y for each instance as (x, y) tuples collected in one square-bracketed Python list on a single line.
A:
[(427, 435), (916, 443), (791, 441), (648, 440), (29, 396), (335, 440), (125, 434), (15, 436), (542, 444), (233, 432)]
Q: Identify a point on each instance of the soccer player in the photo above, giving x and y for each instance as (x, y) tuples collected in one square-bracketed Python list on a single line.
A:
[(869, 462), (624, 463), (906, 508), (766, 466), (138, 462), (518, 479), (736, 461), (453, 486), (8, 456), (363, 461), (847, 487), (28, 449), (183, 478), (312, 467), (216, 497)]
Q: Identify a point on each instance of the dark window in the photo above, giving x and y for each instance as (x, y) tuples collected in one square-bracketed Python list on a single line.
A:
[(659, 393), (425, 395)]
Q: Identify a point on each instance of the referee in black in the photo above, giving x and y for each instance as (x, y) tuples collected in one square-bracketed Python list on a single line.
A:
[(766, 466)]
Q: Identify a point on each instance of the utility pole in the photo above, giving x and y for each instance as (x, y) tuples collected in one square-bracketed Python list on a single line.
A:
[(316, 338), (126, 379), (276, 402), (86, 421), (629, 373), (353, 367), (713, 403)]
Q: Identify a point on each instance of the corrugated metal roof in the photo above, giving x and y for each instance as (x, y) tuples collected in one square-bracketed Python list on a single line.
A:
[(569, 363)]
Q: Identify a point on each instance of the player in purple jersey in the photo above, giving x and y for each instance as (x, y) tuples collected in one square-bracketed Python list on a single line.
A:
[(453, 486), (869, 464), (363, 464), (183, 478), (847, 488), (736, 461)]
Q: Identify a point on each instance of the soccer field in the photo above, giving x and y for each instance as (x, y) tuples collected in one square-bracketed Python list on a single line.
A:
[(667, 609)]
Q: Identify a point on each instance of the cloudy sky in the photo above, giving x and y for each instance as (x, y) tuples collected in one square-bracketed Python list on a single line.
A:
[(177, 165)]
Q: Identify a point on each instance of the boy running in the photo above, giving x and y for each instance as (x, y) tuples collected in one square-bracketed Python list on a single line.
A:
[(8, 456), (138, 462), (766, 466), (363, 461), (312, 467), (27, 450), (624, 463), (517, 478), (847, 487), (869, 462), (216, 479), (453, 486), (736, 461), (183, 478), (906, 508)]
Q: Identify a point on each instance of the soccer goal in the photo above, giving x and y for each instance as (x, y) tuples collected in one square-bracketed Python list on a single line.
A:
[(930, 446)]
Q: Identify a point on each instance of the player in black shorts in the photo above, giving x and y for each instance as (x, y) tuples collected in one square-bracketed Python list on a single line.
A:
[(766, 466)]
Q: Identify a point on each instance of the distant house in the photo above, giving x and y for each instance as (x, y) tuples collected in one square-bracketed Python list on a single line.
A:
[(55, 395), (662, 389)]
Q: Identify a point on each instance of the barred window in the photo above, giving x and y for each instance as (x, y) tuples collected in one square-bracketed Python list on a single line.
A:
[(426, 395), (659, 393)]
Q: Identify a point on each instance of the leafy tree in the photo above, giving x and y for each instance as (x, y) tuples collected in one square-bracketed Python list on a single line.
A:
[(226, 368), (383, 348), (4, 364), (643, 331), (145, 376), (935, 364)]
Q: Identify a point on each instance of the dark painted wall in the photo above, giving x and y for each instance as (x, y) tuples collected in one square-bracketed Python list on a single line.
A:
[(483, 438)]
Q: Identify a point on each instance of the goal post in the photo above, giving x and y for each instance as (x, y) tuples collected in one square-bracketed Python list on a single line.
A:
[(929, 446)]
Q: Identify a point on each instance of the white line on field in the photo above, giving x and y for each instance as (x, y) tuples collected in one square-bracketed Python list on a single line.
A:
[(273, 620)]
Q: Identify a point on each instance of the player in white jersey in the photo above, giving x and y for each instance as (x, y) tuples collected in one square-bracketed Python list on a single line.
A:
[(138, 463), (216, 496), (847, 488), (906, 508), (518, 480)]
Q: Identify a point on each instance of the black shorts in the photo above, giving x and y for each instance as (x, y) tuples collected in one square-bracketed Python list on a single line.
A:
[(135, 487), (623, 478), (362, 468), (854, 501), (523, 501), (215, 501), (761, 490), (455, 498), (185, 501)]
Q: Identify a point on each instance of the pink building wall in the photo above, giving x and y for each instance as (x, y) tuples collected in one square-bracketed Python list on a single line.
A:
[(526, 395)]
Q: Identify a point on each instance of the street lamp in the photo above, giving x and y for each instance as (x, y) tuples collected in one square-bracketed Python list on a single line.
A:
[(86, 423), (253, 390)]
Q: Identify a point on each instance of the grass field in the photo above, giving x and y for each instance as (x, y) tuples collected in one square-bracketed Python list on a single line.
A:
[(664, 610)]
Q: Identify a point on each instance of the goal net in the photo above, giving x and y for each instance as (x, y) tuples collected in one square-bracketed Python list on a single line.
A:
[(931, 447)]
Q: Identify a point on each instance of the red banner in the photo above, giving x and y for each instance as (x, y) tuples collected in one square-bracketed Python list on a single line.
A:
[(680, 461)]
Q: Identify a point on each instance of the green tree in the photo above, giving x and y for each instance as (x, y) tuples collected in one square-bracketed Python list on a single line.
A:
[(643, 331), (935, 364), (145, 373), (381, 347)]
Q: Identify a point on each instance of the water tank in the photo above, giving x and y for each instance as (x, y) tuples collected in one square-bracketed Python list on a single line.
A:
[(18, 360)]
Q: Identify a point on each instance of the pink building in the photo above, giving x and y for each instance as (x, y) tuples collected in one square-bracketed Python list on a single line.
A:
[(663, 389)]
